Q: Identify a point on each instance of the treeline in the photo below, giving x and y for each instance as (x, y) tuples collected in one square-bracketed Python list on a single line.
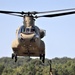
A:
[(28, 66)]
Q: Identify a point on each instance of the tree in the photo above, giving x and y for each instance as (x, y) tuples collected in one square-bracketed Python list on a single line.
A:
[(1, 68)]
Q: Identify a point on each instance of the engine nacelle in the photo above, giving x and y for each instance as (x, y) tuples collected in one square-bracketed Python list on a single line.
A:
[(42, 33)]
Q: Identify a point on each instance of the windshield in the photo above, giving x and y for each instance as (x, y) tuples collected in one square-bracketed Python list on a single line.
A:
[(29, 30), (26, 30)]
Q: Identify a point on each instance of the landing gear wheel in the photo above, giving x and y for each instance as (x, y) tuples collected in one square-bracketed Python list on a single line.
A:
[(14, 56), (42, 57)]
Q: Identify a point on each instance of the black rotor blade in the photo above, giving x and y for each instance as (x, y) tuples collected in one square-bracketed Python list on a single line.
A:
[(63, 10), (57, 14), (16, 15), (8, 12)]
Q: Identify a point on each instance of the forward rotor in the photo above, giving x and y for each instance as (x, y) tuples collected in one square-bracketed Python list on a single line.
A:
[(35, 14)]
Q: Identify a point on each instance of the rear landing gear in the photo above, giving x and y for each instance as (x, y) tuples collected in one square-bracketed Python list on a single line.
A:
[(14, 56), (42, 57)]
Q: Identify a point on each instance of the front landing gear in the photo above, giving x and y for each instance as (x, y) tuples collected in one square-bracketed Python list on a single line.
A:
[(42, 57), (14, 56)]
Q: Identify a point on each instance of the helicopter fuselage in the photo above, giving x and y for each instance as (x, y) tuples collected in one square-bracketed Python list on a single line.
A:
[(28, 41), (28, 44)]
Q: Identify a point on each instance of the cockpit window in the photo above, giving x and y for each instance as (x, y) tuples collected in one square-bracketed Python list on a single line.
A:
[(22, 29), (32, 30), (27, 30)]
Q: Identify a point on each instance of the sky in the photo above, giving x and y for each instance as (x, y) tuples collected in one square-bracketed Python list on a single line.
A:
[(60, 31)]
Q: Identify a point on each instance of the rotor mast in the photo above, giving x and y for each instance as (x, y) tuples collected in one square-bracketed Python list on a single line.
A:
[(29, 20)]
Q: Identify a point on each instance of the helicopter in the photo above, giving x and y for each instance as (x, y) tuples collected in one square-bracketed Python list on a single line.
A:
[(29, 36)]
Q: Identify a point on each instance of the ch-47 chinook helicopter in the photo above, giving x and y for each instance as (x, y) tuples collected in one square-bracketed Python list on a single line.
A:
[(29, 37)]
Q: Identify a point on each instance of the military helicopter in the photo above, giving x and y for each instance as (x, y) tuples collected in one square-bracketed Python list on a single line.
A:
[(29, 36)]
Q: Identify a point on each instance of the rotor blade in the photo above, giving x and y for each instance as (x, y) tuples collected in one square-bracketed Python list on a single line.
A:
[(71, 9), (8, 12), (13, 14), (57, 14), (16, 15)]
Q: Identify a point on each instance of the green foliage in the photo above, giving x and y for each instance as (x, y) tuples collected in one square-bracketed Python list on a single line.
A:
[(28, 66), (1, 68)]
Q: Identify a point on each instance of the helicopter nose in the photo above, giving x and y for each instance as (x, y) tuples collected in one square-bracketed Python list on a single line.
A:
[(27, 37)]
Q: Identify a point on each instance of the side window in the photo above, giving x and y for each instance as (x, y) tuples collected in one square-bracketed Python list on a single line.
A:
[(37, 30), (32, 29), (27, 30), (22, 29)]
